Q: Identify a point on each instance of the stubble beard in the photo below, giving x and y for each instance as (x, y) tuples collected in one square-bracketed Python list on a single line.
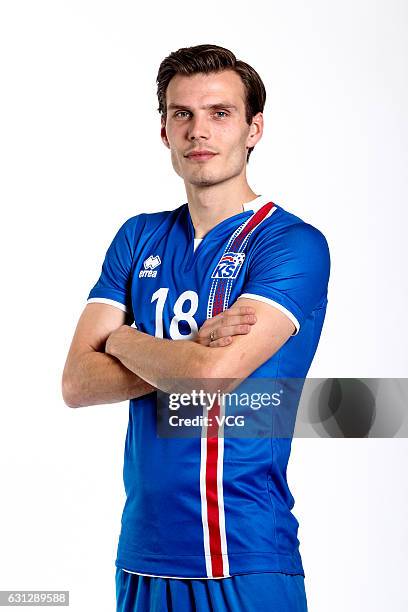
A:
[(204, 177)]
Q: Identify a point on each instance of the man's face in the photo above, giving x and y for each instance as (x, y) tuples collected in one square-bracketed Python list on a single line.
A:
[(206, 112)]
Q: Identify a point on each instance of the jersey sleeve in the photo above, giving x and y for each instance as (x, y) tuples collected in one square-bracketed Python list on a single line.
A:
[(290, 271), (114, 284)]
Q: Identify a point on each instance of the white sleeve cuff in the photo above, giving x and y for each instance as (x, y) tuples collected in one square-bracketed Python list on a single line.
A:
[(107, 301), (285, 311)]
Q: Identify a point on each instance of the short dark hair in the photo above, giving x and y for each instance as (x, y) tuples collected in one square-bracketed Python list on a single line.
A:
[(211, 58)]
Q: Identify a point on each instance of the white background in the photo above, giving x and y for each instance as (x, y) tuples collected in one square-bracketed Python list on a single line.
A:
[(81, 153)]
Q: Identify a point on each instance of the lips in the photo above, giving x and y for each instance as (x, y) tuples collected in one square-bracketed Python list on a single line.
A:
[(201, 155)]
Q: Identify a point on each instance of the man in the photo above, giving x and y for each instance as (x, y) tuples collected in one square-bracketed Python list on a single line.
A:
[(207, 523)]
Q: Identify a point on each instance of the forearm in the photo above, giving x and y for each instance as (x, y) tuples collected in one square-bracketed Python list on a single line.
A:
[(169, 365), (97, 378)]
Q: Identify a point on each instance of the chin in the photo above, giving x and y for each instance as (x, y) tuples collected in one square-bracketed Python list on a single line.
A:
[(205, 179), (202, 181)]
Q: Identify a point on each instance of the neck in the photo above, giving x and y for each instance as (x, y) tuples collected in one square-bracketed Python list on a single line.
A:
[(209, 205)]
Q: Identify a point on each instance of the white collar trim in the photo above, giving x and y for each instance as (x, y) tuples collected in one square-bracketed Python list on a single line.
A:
[(255, 204), (251, 206)]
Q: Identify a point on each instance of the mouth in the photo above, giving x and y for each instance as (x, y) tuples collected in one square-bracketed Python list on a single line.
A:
[(201, 155)]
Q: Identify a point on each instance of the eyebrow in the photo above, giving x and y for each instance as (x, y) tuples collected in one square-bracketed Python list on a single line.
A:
[(206, 106)]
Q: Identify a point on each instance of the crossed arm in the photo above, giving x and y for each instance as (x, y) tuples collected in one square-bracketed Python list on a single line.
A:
[(109, 361)]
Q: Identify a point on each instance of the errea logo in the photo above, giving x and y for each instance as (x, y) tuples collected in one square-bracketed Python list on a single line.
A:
[(149, 264)]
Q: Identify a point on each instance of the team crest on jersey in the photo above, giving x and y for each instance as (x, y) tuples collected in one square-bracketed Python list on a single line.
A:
[(229, 265), (149, 264)]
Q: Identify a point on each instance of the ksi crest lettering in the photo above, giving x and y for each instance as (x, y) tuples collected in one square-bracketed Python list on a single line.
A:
[(229, 265)]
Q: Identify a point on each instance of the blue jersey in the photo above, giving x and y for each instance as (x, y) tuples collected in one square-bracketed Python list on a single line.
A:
[(185, 516)]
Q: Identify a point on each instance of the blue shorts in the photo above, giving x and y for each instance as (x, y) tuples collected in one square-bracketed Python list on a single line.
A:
[(272, 591)]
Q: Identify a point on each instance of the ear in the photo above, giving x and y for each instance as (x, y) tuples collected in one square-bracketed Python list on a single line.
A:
[(255, 130), (163, 134)]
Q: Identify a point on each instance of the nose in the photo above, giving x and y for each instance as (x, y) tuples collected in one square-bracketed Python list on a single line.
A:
[(198, 127)]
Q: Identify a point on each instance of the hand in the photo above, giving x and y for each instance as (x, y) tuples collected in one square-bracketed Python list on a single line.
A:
[(114, 337), (236, 320)]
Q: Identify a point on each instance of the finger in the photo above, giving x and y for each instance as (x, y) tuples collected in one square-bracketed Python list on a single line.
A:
[(233, 311), (230, 325), (221, 342), (235, 319), (232, 330), (242, 309), (225, 318)]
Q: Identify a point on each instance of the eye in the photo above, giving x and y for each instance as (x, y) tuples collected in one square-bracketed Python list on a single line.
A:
[(181, 114), (221, 114)]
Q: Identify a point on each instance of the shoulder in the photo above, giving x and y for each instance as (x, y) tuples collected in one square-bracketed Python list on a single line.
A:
[(284, 230), (134, 226), (153, 220), (306, 238)]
